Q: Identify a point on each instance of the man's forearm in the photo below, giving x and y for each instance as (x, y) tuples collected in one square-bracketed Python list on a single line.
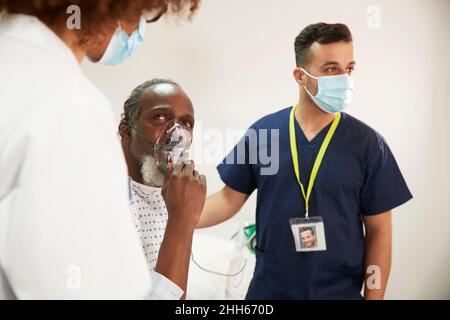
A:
[(221, 206), (174, 255), (377, 263), (214, 212)]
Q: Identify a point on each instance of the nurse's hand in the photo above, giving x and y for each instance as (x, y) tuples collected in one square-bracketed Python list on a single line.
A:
[(184, 191)]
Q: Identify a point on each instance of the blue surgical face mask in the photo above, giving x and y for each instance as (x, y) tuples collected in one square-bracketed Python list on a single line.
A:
[(121, 46), (334, 93)]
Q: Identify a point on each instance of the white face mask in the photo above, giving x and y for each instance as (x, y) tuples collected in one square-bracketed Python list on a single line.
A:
[(334, 93)]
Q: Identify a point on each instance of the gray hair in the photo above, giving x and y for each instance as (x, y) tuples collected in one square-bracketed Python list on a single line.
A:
[(131, 108)]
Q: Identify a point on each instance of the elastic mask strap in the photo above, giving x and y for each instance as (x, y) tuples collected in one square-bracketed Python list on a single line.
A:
[(172, 128), (309, 75), (136, 131)]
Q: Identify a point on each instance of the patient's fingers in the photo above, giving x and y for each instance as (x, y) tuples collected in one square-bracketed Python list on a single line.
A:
[(203, 180), (169, 171), (196, 175), (178, 169), (188, 169)]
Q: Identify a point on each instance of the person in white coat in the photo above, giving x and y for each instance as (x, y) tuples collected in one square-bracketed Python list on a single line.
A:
[(65, 227)]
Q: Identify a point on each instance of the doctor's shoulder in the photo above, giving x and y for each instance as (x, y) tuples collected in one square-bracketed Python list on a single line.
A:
[(274, 120), (367, 138)]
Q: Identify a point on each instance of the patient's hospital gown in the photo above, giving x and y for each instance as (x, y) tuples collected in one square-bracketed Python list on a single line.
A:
[(149, 214)]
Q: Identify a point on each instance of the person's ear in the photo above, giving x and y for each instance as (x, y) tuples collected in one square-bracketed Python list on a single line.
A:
[(124, 131), (299, 76)]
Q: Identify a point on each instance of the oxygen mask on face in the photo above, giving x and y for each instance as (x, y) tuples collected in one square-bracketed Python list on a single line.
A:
[(172, 145)]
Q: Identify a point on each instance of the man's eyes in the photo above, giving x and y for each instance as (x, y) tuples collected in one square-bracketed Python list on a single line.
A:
[(164, 118), (160, 117), (334, 70), (188, 124)]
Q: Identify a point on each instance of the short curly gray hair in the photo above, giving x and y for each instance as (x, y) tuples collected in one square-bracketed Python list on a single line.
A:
[(131, 108)]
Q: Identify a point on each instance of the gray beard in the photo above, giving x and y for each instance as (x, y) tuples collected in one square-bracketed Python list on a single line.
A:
[(152, 175)]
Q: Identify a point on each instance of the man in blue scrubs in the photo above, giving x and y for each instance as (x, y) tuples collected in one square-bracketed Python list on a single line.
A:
[(334, 173)]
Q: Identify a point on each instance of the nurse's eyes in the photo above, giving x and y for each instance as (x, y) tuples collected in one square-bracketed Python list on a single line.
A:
[(334, 70)]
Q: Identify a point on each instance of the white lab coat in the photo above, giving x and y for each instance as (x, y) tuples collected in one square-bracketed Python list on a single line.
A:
[(65, 227)]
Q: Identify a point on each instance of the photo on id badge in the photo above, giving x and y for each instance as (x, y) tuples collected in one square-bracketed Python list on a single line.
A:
[(309, 234)]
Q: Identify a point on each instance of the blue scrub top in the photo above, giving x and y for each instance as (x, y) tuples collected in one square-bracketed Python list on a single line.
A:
[(358, 176)]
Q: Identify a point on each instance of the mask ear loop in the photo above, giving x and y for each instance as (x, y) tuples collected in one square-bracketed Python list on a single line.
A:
[(308, 75)]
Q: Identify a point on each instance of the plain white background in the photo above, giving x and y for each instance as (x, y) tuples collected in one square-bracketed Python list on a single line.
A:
[(235, 60)]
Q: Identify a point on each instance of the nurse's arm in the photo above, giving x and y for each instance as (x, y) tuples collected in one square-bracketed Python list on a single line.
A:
[(221, 206), (378, 242)]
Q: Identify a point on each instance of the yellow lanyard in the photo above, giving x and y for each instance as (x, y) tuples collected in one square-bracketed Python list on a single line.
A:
[(319, 158)]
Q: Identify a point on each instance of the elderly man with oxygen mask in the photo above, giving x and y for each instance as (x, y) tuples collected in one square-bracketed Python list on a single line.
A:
[(156, 133)]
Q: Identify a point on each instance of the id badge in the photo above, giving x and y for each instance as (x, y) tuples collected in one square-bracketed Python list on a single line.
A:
[(309, 234)]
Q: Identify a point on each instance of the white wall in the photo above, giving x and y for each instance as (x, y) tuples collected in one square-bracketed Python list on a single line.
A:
[(235, 61)]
